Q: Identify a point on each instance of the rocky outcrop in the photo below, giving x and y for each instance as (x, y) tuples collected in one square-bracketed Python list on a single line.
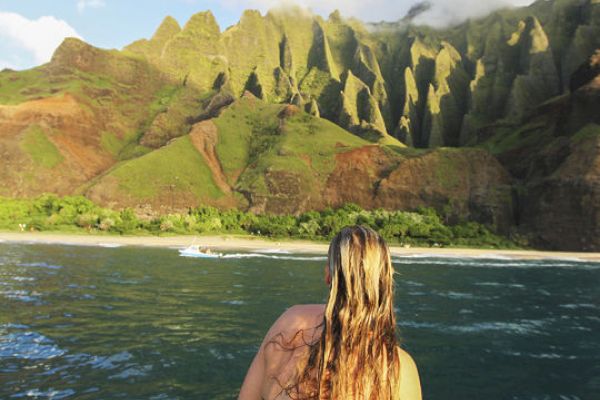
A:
[(58, 125), (562, 211), (153, 48), (556, 160), (428, 88), (74, 55), (586, 73), (204, 137), (470, 183), (360, 112)]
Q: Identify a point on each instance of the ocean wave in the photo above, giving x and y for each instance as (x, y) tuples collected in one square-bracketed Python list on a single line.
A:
[(107, 362), (220, 355), (22, 295), (547, 356), (234, 302), (499, 284), (39, 265), (458, 295), (581, 305), (13, 326), (132, 372), (121, 362), (495, 263), (492, 256), (23, 278), (50, 394), (412, 283), (26, 345), (459, 256), (521, 327)]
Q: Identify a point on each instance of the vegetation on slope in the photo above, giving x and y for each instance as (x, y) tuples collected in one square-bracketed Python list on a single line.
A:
[(78, 214), (258, 147), (41, 150), (261, 145), (172, 171)]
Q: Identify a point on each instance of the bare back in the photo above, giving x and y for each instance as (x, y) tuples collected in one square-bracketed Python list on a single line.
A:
[(285, 348)]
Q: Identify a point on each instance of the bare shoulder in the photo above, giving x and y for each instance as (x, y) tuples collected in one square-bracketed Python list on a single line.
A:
[(298, 317), (306, 312), (406, 359), (296, 326), (410, 384)]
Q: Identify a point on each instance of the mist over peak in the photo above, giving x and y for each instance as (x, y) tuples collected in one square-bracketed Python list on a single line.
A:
[(416, 10), (436, 13), (441, 13)]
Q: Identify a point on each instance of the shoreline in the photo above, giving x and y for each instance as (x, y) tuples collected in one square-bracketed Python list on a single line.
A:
[(229, 242)]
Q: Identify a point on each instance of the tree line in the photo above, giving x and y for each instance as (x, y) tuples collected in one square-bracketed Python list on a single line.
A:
[(422, 227)]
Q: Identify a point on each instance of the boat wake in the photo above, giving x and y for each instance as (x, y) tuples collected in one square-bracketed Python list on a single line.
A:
[(498, 261), (275, 256)]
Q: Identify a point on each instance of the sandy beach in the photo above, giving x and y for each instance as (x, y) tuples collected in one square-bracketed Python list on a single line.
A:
[(230, 243)]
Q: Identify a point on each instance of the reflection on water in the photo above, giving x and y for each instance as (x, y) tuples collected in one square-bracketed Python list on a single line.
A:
[(123, 322)]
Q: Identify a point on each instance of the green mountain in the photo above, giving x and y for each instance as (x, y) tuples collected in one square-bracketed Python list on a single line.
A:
[(286, 112)]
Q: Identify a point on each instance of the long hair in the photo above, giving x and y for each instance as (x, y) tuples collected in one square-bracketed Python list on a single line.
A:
[(356, 355)]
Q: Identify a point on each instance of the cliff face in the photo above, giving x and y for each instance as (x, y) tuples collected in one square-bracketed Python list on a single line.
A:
[(555, 159), (278, 159), (289, 112), (65, 123), (464, 184), (567, 198), (427, 88)]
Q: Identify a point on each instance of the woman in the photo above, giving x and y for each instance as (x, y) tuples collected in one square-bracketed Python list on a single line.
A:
[(347, 348)]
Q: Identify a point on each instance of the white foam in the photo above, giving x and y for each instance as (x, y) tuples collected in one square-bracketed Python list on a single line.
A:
[(519, 327), (133, 371), (272, 251), (498, 284), (23, 278), (28, 346), (490, 256), (110, 245), (576, 306), (39, 265), (234, 302), (492, 263), (49, 394), (274, 257)]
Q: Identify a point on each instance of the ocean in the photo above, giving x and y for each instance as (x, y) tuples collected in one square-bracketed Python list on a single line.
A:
[(114, 322)]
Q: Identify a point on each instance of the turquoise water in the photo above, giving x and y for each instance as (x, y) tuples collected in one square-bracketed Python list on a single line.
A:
[(141, 323)]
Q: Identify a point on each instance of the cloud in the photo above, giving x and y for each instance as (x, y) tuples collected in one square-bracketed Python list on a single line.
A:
[(83, 4), (39, 37), (443, 12)]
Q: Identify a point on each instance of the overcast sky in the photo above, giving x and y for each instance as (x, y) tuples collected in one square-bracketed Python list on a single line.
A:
[(30, 30)]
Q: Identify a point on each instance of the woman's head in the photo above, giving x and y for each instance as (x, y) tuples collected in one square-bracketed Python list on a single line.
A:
[(361, 272), (356, 356)]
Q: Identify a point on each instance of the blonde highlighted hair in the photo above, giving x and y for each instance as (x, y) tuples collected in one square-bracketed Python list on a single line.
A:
[(356, 356)]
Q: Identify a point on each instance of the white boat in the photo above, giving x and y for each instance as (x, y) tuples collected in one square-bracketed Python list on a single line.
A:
[(196, 251)]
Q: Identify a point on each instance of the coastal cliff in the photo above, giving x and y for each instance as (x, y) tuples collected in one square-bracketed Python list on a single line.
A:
[(494, 120)]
